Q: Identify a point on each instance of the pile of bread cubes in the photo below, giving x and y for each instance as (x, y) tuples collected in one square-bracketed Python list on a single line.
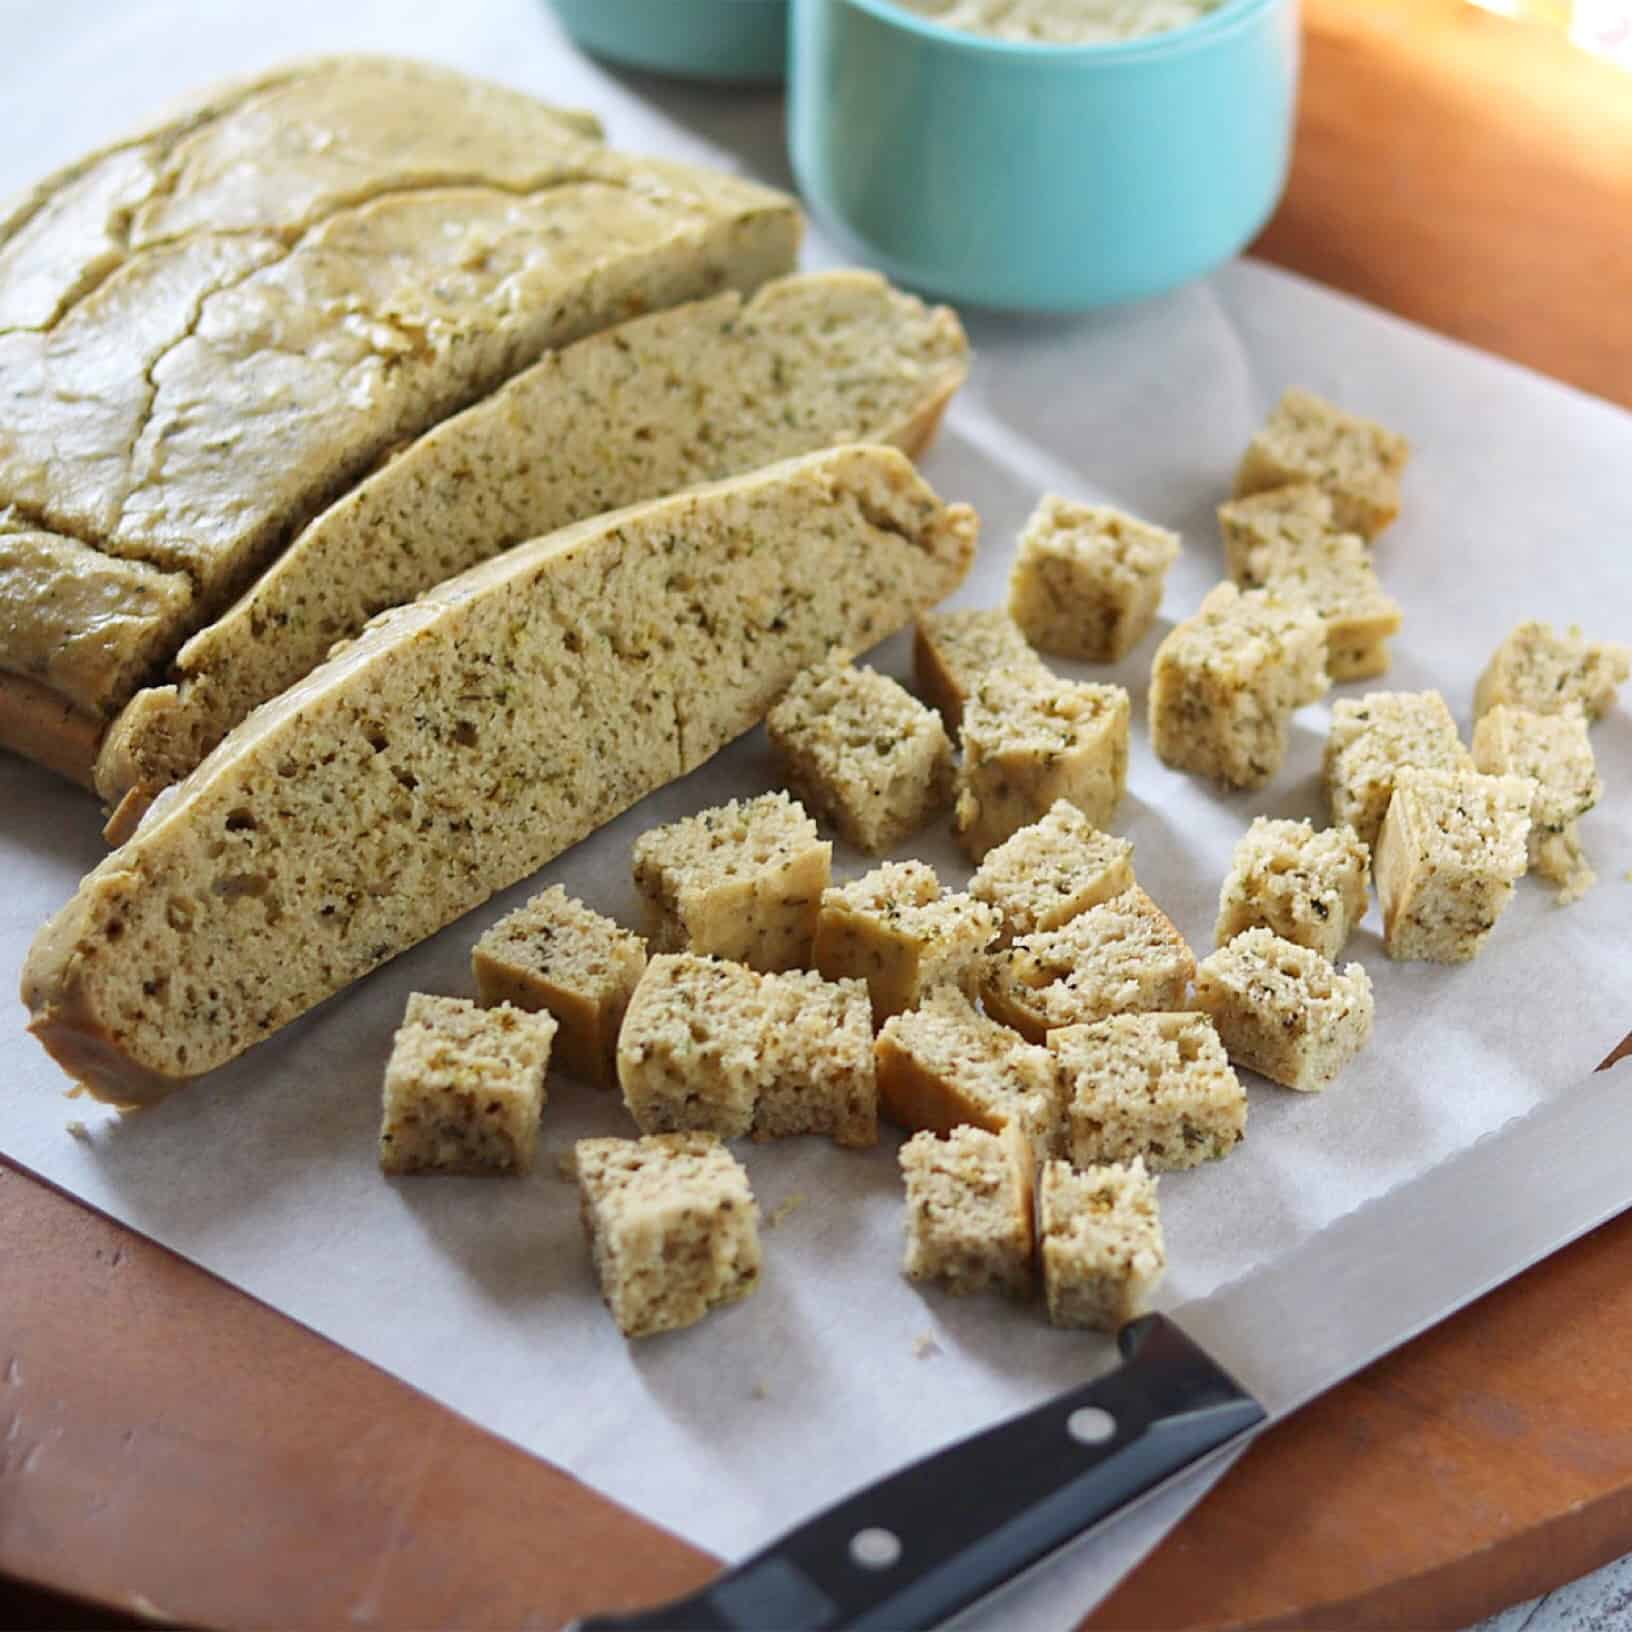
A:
[(1047, 1036)]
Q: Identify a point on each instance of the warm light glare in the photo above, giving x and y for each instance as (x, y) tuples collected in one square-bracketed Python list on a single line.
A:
[(1603, 27)]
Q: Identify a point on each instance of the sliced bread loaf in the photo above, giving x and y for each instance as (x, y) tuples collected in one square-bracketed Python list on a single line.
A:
[(664, 402), (461, 742), (210, 332)]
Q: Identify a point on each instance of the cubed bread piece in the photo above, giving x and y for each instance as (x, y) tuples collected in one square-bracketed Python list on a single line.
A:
[(818, 1053), (1087, 579), (1124, 954), (969, 1210), (464, 1088), (720, 1048), (953, 651), (1307, 886), (1331, 574), (554, 955), (1356, 462), (1555, 751), (742, 881), (945, 1065), (1539, 669), (673, 1227), (1100, 1240), (1031, 740), (862, 752), (1227, 681), (898, 931), (1277, 518), (1049, 872), (1452, 845), (1371, 738), (1285, 1011), (1156, 1086)]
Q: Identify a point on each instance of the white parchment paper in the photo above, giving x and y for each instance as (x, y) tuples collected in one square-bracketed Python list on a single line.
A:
[(1519, 503)]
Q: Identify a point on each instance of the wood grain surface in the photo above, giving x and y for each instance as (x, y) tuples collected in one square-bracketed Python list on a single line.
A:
[(177, 1451)]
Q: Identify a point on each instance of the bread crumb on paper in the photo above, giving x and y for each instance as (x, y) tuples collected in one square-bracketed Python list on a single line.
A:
[(78, 1130), (924, 1346), (785, 1208), (759, 1391)]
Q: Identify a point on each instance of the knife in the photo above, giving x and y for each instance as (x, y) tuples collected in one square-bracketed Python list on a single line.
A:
[(899, 1555)]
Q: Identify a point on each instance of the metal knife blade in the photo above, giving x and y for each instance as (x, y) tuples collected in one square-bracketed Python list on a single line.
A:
[(929, 1541)]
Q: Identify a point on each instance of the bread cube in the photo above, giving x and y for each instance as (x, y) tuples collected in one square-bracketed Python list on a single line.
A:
[(1100, 1239), (1308, 887), (1049, 872), (1553, 750), (1028, 742), (1371, 738), (1279, 518), (1122, 955), (1285, 1011), (969, 1210), (897, 930), (1452, 845), (953, 651), (1154, 1086), (743, 881), (555, 956), (1550, 673), (720, 1048), (1354, 461), (1227, 681), (673, 1228), (1087, 579), (1328, 572), (944, 1065), (862, 752), (464, 1088)]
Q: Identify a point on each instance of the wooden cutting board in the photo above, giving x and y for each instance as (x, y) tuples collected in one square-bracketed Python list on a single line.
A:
[(174, 1450)]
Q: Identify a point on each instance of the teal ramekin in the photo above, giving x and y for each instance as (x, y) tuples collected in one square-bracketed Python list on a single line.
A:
[(737, 42), (1042, 177)]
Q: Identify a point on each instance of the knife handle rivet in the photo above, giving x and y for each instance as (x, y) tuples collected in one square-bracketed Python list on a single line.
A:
[(875, 1549), (1089, 1425)]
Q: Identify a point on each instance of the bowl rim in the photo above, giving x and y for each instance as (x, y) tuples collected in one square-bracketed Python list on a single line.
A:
[(1226, 18)]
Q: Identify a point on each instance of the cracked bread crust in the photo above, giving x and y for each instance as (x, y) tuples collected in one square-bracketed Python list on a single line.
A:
[(252, 305), (575, 665)]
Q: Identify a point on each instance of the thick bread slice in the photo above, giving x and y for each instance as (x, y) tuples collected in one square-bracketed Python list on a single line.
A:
[(692, 395), (461, 742), (242, 313)]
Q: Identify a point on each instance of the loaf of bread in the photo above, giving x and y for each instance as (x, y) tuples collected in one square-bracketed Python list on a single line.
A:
[(461, 742), (663, 402), (211, 330)]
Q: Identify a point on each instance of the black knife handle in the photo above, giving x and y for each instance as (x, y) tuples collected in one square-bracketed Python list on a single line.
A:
[(925, 1543)]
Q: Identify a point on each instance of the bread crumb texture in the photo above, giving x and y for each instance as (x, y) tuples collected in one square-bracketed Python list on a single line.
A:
[(898, 931), (1227, 682), (1550, 672), (742, 880), (969, 1220), (1154, 1086), (1452, 845), (718, 1047), (1123, 955), (555, 956), (1371, 738), (1101, 1243), (1310, 887), (953, 651), (1053, 870), (1030, 740), (1284, 1011), (464, 1088), (1354, 461), (1555, 751), (1087, 579), (673, 1228), (862, 752)]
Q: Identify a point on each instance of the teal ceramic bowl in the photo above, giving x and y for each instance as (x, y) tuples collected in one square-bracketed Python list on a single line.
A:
[(1042, 177), (738, 42)]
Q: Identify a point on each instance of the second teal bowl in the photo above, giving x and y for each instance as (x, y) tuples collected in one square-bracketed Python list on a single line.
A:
[(1040, 177)]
